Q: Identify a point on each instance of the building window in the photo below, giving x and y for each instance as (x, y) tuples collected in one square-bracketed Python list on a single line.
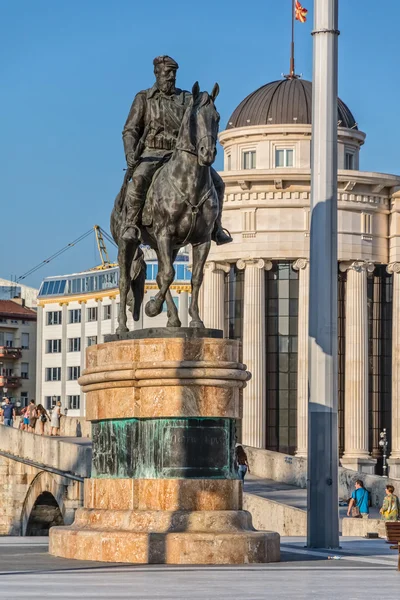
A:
[(249, 159), (9, 340), (74, 373), (3, 320), (228, 162), (24, 399), (74, 344), (284, 157), (107, 312), (234, 281), (51, 401), (74, 316), (349, 161), (24, 370), (53, 346), (53, 374), (25, 341), (380, 299), (281, 313), (182, 272), (151, 273), (74, 402), (91, 340), (53, 318), (92, 313)]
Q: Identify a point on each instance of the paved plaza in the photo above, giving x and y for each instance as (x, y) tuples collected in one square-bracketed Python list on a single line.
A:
[(366, 567)]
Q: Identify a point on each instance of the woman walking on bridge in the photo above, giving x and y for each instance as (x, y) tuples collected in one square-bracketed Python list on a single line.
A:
[(43, 417)]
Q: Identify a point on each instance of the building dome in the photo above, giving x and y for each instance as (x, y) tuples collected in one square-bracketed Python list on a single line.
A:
[(283, 102)]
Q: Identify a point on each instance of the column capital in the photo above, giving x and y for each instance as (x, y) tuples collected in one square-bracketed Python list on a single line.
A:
[(357, 265), (393, 267), (213, 266), (300, 263), (258, 263)]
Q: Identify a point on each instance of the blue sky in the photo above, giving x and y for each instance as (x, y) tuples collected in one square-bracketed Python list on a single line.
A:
[(70, 69)]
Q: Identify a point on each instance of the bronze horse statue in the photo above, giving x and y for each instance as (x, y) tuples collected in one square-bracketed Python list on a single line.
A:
[(181, 208)]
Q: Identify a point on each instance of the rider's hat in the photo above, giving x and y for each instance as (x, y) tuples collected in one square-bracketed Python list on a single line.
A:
[(167, 61)]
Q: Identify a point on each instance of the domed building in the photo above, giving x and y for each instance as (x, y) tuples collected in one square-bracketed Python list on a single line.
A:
[(256, 288)]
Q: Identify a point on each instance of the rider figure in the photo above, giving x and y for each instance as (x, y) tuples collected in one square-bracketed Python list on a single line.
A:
[(157, 114)]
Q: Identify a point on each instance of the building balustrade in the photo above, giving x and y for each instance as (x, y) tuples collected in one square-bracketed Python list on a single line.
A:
[(11, 382), (10, 352)]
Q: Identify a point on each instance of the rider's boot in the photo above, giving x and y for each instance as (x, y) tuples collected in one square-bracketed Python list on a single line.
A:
[(218, 235), (131, 231)]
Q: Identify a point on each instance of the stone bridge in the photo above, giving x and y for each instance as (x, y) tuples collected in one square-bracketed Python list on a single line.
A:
[(41, 480)]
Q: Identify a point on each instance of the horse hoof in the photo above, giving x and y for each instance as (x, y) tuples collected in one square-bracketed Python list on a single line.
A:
[(121, 330), (174, 323), (197, 324), (153, 308)]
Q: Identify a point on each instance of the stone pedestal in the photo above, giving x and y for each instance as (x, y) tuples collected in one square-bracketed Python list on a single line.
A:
[(163, 487)]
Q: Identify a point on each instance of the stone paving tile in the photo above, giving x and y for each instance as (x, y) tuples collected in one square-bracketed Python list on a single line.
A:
[(367, 567)]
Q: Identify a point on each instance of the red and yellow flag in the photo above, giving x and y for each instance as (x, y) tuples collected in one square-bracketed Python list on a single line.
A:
[(300, 13)]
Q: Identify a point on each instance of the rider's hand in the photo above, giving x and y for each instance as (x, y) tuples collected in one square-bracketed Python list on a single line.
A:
[(130, 159)]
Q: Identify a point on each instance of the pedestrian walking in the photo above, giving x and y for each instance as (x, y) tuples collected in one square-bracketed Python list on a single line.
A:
[(8, 412), (242, 462), (25, 424), (32, 413), (43, 417), (22, 418), (55, 419), (390, 510), (359, 501)]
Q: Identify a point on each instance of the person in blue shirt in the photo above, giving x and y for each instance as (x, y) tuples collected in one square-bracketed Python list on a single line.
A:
[(360, 499), (8, 413)]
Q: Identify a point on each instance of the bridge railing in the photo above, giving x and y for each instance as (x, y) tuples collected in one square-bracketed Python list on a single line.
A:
[(58, 454)]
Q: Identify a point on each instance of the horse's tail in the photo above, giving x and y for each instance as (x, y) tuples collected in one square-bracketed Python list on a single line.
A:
[(138, 279)]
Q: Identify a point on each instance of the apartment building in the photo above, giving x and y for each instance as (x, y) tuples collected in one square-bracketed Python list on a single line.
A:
[(17, 351), (76, 311)]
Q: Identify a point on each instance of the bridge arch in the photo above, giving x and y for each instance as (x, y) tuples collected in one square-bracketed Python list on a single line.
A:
[(48, 489)]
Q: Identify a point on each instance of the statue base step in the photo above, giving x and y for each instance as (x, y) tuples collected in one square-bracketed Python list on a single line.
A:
[(180, 538)]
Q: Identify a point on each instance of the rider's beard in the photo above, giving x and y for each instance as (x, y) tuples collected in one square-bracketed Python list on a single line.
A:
[(166, 87)]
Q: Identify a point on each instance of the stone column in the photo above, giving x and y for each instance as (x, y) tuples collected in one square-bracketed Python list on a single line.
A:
[(214, 295), (303, 266), (394, 460), (254, 424), (184, 308), (356, 454), (375, 380)]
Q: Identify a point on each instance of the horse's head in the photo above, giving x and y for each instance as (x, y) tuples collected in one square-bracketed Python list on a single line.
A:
[(204, 124)]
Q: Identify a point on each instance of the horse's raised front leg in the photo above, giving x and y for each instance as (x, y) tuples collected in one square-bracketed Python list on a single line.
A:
[(200, 254), (124, 285), (165, 276)]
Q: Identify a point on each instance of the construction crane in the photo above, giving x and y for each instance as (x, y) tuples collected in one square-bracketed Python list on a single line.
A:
[(101, 245)]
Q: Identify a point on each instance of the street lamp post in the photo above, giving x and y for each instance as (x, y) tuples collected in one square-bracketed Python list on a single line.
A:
[(323, 460), (383, 442)]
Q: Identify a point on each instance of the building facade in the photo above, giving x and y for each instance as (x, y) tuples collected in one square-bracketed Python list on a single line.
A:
[(261, 280), (10, 290), (77, 311), (17, 351)]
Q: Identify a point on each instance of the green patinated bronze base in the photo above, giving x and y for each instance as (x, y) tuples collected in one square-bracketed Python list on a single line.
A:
[(164, 448)]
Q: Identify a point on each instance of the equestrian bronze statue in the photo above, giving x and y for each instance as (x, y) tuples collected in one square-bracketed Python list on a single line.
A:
[(171, 196)]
